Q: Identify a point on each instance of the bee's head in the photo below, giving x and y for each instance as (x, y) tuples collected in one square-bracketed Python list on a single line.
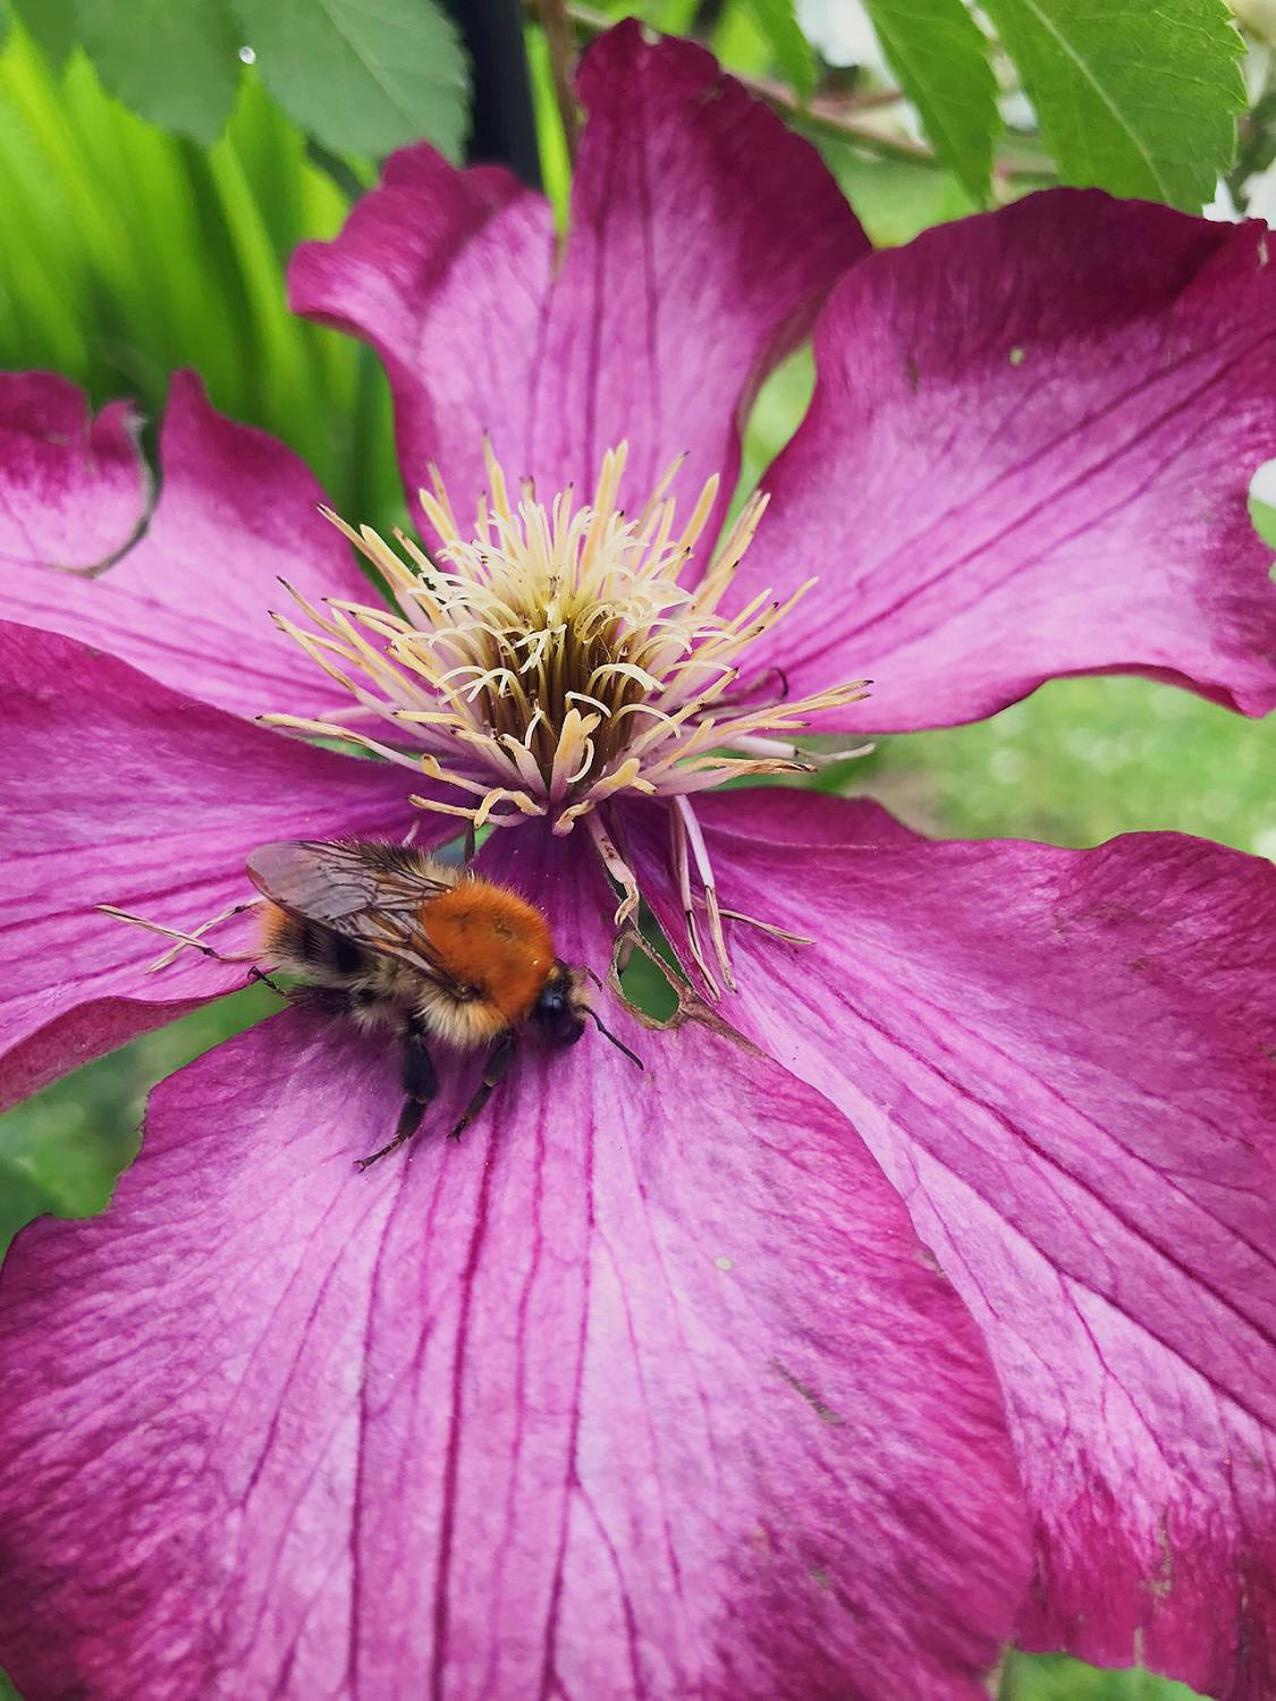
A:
[(560, 1010), (562, 1007)]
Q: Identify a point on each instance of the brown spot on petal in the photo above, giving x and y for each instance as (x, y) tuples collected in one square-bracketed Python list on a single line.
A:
[(820, 1407)]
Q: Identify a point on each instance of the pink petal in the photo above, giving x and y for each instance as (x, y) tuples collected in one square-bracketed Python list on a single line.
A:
[(1063, 1061), (791, 815), (1029, 455), (87, 1031), (72, 488), (116, 790), (595, 1404), (703, 236), (445, 273), (190, 602)]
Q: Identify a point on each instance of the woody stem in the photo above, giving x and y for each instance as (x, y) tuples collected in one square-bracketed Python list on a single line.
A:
[(560, 39)]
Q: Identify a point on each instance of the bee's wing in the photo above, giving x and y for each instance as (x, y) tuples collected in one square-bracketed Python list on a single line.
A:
[(368, 892)]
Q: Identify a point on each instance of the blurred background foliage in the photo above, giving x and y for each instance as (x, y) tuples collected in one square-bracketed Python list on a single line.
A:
[(132, 250)]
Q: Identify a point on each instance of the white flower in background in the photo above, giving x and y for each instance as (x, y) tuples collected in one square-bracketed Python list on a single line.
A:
[(842, 32), (1260, 195), (1018, 112), (1258, 17), (1258, 200), (1258, 192), (1262, 487), (1222, 209)]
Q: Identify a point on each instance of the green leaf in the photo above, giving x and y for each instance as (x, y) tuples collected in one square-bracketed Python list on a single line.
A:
[(62, 1151), (777, 20), (940, 56), (174, 62), (1140, 99), (51, 23), (363, 76), (895, 199), (1263, 517)]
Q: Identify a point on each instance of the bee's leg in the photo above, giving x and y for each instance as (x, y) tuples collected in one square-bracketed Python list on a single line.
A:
[(498, 1061), (471, 844), (420, 1083)]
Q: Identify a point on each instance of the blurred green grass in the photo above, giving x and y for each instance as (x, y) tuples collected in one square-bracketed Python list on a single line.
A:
[(130, 254)]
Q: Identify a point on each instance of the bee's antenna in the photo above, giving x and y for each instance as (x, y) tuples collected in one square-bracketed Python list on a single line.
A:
[(586, 970), (619, 1044)]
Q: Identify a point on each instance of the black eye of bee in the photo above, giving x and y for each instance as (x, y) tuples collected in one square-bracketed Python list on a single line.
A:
[(554, 1016)]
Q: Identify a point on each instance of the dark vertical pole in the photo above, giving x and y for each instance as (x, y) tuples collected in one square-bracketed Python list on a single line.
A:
[(503, 128)]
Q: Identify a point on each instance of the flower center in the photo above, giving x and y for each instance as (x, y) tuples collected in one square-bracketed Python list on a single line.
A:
[(551, 657)]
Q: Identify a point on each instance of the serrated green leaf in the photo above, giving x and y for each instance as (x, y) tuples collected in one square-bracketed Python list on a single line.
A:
[(174, 62), (363, 76), (940, 56), (1137, 98), (51, 24), (777, 20)]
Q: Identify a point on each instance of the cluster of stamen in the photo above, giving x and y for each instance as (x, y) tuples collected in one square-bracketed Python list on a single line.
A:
[(550, 659)]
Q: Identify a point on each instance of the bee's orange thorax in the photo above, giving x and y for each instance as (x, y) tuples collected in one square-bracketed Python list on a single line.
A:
[(490, 939)]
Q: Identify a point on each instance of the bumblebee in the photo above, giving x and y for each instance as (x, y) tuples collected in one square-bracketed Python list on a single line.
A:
[(393, 939)]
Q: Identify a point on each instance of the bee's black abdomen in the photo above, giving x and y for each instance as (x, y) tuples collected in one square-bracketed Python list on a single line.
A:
[(319, 950), (347, 958)]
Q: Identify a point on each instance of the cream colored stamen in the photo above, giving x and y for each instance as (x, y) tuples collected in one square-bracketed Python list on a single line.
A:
[(551, 659)]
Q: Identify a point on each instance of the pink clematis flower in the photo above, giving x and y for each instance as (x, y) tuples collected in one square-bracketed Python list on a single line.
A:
[(653, 1387)]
